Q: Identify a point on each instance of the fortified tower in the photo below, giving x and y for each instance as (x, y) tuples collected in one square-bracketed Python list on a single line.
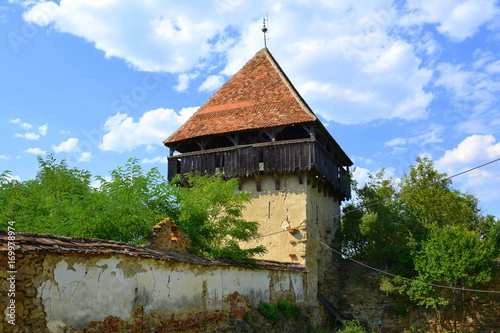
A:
[(257, 128)]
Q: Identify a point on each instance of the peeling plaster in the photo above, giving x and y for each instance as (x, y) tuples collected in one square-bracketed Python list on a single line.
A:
[(97, 288)]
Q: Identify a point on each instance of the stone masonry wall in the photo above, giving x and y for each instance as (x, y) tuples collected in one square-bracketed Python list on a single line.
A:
[(58, 284), (356, 293), (75, 293)]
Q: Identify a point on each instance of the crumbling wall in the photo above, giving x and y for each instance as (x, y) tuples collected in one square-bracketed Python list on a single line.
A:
[(358, 295), (88, 285)]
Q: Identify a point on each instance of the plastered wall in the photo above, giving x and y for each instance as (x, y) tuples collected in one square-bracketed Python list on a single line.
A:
[(67, 293), (312, 216)]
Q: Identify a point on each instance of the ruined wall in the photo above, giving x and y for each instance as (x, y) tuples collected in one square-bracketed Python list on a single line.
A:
[(359, 296), (74, 292)]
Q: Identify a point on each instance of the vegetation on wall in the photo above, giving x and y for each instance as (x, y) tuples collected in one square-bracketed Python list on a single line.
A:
[(422, 229), (125, 206)]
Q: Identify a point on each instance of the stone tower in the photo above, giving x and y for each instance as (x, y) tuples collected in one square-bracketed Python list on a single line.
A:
[(257, 128)]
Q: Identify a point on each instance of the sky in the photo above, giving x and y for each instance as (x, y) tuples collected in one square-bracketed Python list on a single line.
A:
[(96, 82)]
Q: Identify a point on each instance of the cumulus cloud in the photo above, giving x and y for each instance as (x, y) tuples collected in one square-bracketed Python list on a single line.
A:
[(152, 128), (475, 148), (348, 62), (85, 157), (28, 135), (23, 125), (345, 63), (457, 20), (212, 83), (163, 36), (68, 146), (36, 151), (157, 159), (184, 80), (42, 130), (473, 151)]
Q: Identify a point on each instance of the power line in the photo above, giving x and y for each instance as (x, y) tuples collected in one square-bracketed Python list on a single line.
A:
[(403, 278), (387, 199), (382, 201)]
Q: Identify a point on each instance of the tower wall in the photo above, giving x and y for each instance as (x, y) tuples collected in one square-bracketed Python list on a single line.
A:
[(294, 222)]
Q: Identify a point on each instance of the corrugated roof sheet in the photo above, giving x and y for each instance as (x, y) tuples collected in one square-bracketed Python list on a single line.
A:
[(258, 96)]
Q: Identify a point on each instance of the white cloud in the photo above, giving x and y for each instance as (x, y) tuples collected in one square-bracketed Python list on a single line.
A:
[(4, 157), (23, 125), (152, 128), (85, 157), (396, 142), (212, 83), (163, 36), (36, 151), (473, 92), (43, 129), (431, 135), (457, 20), (184, 80), (472, 152), (29, 136), (157, 159), (345, 62), (349, 62), (68, 146), (473, 149)]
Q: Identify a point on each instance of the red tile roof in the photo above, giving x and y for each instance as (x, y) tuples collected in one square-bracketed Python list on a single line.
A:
[(258, 96)]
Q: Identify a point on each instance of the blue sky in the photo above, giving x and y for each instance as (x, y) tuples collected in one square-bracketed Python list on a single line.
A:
[(100, 81)]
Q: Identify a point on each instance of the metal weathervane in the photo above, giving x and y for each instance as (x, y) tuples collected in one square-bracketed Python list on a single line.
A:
[(264, 30)]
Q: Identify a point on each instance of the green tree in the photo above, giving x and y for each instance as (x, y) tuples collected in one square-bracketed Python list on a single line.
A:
[(56, 201), (429, 232), (210, 214), (454, 257), (62, 201), (377, 228), (132, 202)]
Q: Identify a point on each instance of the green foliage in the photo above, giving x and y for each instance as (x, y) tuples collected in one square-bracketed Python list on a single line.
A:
[(61, 201), (210, 214), (386, 229), (428, 232), (269, 311), (250, 319), (133, 202), (289, 309), (377, 228), (454, 257), (353, 326)]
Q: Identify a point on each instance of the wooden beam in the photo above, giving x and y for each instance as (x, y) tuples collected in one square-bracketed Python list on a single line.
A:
[(277, 181)]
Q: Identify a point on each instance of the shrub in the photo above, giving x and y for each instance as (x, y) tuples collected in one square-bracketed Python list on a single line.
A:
[(269, 311)]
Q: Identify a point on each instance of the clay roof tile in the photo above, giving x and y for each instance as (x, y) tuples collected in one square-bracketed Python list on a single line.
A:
[(258, 96)]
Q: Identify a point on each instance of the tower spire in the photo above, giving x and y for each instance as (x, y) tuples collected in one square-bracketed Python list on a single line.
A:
[(264, 30)]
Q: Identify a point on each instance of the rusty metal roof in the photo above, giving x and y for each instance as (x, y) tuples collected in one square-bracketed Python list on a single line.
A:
[(26, 243), (258, 96)]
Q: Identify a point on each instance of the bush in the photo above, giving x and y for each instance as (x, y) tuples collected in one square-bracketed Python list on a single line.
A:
[(269, 311), (289, 309)]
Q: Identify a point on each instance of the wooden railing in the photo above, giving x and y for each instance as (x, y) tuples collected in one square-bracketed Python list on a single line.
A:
[(265, 158)]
